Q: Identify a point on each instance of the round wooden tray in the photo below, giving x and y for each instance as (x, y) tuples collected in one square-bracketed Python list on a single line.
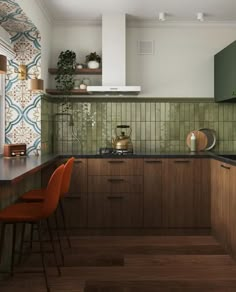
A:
[(201, 140)]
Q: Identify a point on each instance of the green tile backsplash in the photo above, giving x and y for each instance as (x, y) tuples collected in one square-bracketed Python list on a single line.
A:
[(81, 127)]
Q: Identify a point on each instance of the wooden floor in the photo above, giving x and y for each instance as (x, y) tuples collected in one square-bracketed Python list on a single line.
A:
[(133, 264)]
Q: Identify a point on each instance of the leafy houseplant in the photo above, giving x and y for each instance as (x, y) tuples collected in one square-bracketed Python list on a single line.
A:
[(93, 60), (65, 70)]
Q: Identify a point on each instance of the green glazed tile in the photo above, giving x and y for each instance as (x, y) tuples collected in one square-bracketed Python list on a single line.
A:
[(109, 111), (221, 112), (186, 112), (148, 147), (128, 112), (138, 131), (158, 112), (147, 112), (158, 130), (143, 131), (153, 112), (143, 146), (163, 131), (113, 111), (191, 112), (163, 112), (133, 133), (133, 113), (138, 112), (119, 113), (182, 132), (181, 112), (227, 131), (143, 112), (124, 112), (152, 146), (137, 146), (158, 146), (153, 130), (228, 112), (167, 113), (201, 112), (148, 130)]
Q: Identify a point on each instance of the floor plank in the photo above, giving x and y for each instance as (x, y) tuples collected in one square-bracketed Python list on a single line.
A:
[(133, 264)]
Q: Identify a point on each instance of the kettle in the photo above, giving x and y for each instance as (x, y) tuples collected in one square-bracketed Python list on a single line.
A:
[(122, 140)]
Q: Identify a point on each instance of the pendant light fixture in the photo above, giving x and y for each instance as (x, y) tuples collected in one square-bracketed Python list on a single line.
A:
[(3, 64), (35, 84)]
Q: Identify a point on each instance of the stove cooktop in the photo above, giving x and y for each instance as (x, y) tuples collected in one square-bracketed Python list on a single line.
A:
[(111, 151)]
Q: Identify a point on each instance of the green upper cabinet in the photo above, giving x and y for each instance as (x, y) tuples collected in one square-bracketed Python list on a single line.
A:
[(225, 74)]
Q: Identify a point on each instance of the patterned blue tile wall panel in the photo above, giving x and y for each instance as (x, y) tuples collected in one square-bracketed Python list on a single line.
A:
[(23, 110)]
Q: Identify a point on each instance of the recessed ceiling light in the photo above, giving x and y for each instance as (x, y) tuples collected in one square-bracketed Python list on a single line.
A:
[(200, 16), (162, 16)]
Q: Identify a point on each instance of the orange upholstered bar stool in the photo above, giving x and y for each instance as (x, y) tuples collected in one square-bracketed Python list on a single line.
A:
[(34, 213), (38, 195)]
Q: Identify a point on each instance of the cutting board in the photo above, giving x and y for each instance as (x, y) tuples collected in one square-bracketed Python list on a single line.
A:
[(201, 140)]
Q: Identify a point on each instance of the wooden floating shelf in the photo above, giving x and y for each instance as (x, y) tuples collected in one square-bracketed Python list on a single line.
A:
[(83, 71), (72, 92)]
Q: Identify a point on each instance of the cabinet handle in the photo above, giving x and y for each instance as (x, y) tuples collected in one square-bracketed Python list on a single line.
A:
[(115, 179), (116, 161), (115, 197), (78, 161), (182, 161), (153, 161), (223, 166)]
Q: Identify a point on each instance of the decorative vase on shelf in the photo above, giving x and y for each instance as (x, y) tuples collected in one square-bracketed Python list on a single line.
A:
[(93, 65)]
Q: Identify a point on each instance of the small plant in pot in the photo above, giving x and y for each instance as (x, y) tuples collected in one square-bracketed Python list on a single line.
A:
[(65, 71), (93, 60)]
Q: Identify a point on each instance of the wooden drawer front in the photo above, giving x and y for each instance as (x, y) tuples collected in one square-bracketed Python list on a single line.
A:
[(115, 184), (78, 183), (115, 166), (75, 208), (115, 210)]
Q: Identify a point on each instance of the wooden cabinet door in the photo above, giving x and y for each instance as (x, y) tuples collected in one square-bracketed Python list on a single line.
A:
[(75, 203), (216, 190), (221, 198), (153, 192), (115, 210), (202, 193), (178, 193), (232, 209)]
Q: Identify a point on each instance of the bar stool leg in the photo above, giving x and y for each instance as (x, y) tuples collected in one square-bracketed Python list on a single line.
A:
[(31, 235), (59, 238), (64, 222), (53, 247), (42, 255), (13, 248), (21, 243), (2, 239)]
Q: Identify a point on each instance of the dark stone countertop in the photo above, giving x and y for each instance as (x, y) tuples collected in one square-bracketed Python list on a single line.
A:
[(14, 169), (145, 155)]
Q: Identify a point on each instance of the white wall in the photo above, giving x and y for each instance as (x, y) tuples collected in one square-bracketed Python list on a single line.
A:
[(183, 63), (4, 35), (80, 39), (40, 19)]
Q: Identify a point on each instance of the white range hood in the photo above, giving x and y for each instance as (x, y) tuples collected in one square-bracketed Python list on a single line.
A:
[(114, 58)]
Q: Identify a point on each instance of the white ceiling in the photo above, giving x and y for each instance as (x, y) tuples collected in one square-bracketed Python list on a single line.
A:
[(177, 10)]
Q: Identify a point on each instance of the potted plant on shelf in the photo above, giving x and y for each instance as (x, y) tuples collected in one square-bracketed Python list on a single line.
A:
[(93, 60), (66, 66)]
